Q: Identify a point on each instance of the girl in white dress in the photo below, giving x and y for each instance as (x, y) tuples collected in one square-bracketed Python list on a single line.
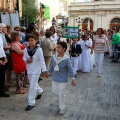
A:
[(86, 58)]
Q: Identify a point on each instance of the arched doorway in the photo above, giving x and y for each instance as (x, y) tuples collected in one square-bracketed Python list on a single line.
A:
[(115, 22), (87, 24)]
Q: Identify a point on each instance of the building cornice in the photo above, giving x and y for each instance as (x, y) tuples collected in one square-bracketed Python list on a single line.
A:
[(94, 6)]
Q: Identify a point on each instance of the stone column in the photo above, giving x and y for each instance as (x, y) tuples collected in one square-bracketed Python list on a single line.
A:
[(88, 24), (95, 21)]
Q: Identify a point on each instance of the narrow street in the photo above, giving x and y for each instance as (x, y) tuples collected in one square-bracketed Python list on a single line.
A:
[(93, 98)]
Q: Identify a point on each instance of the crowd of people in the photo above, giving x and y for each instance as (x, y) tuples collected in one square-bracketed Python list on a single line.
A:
[(27, 52)]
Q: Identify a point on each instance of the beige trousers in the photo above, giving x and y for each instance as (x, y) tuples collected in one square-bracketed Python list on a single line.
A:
[(47, 61)]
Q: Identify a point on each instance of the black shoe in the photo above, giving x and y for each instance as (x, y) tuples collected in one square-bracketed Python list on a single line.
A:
[(39, 96), (39, 79), (4, 95), (29, 107), (114, 61)]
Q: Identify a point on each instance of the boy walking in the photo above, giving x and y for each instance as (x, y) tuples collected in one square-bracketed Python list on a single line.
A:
[(75, 51), (33, 56), (61, 66)]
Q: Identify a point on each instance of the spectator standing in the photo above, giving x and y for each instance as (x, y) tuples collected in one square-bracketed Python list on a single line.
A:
[(19, 65), (115, 42), (6, 46), (3, 61), (47, 48), (9, 65), (42, 36)]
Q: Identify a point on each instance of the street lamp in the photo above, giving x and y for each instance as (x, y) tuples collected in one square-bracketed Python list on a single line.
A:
[(42, 10), (79, 21)]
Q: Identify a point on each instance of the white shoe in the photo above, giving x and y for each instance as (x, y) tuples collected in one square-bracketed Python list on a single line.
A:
[(99, 75), (62, 111)]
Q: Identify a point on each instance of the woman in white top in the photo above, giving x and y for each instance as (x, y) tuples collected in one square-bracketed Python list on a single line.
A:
[(99, 42), (54, 36)]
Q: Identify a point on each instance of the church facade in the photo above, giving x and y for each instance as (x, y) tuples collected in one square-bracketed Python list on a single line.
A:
[(93, 15)]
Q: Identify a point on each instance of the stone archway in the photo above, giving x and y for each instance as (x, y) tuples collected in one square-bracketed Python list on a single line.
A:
[(87, 24), (115, 22)]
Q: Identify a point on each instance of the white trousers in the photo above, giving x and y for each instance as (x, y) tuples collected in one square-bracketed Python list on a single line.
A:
[(60, 90), (99, 57), (34, 89), (74, 61)]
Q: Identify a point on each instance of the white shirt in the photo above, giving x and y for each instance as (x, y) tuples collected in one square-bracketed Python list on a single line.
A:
[(54, 40), (2, 53), (34, 68)]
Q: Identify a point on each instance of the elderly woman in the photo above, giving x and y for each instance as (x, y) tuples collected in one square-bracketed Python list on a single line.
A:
[(99, 42), (19, 65)]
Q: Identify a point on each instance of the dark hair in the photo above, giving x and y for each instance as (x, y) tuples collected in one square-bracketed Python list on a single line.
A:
[(117, 29), (84, 36), (17, 27), (101, 29), (62, 44), (52, 28), (48, 34), (31, 27), (30, 36)]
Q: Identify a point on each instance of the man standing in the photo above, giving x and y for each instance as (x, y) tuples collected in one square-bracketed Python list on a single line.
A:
[(115, 42), (47, 48), (3, 61)]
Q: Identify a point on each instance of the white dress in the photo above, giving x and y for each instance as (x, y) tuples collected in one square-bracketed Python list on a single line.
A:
[(67, 51), (93, 56), (79, 61), (86, 57)]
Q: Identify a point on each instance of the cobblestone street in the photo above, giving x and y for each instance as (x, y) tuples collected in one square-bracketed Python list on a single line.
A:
[(93, 98)]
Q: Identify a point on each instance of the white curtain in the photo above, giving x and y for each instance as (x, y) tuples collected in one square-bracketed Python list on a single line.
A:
[(14, 19), (5, 18)]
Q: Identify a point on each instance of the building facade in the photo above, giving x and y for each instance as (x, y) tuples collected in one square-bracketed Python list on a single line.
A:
[(93, 15), (10, 5)]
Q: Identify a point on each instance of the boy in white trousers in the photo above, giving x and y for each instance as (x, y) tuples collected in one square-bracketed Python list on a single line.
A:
[(75, 51), (61, 66), (33, 56)]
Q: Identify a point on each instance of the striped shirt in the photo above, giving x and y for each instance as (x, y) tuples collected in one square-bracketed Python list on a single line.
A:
[(99, 43)]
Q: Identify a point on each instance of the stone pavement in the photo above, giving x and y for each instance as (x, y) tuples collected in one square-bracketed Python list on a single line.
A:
[(93, 98)]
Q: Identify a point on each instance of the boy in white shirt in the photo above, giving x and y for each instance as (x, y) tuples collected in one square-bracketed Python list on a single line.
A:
[(33, 56)]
